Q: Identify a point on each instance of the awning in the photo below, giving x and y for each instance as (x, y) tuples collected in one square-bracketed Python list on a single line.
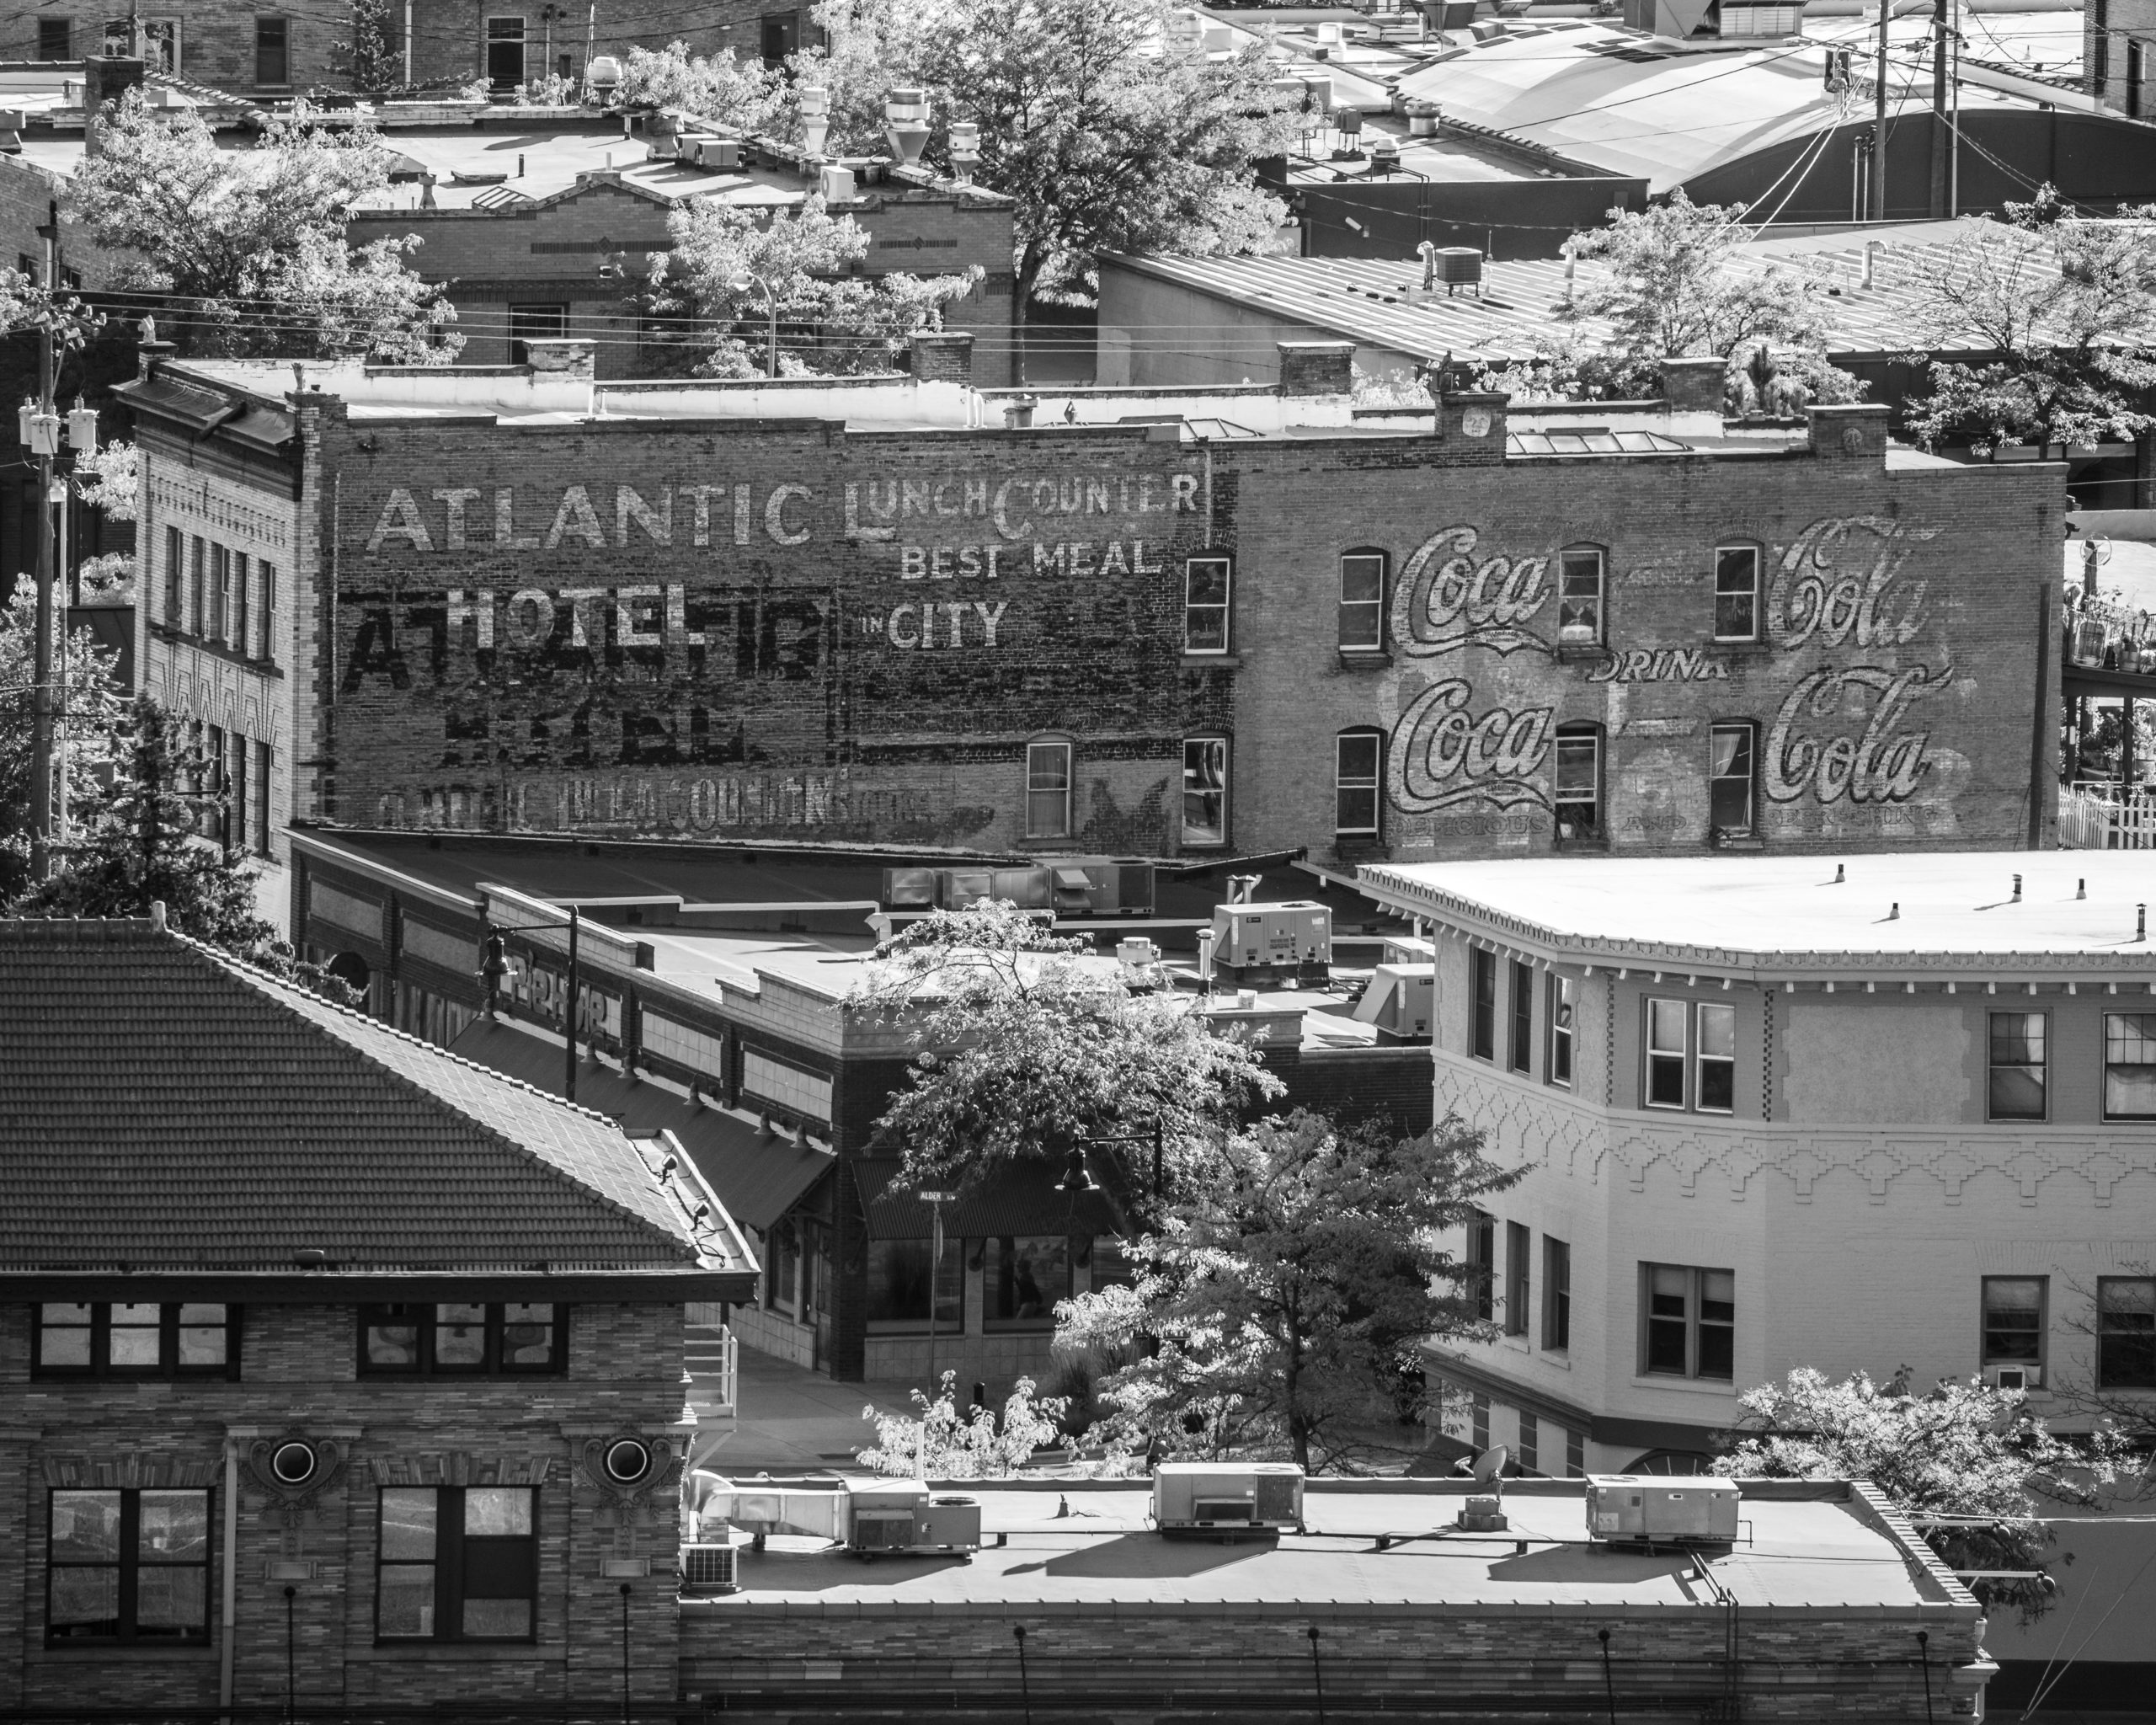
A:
[(1018, 1199), (757, 1179)]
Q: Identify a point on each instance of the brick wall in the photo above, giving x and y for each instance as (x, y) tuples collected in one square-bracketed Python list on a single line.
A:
[(216, 40), (299, 1378)]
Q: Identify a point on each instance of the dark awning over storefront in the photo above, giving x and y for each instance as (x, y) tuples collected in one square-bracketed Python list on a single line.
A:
[(1020, 1199)]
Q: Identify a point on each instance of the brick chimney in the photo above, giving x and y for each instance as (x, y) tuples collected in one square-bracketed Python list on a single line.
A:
[(559, 356), (1695, 385), (944, 356), (1317, 367), (1471, 424), (1850, 431), (106, 77)]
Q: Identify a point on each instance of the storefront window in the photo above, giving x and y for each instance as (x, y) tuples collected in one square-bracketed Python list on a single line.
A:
[(1027, 1275)]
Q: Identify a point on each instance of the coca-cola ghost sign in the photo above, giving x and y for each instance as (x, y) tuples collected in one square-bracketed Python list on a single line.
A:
[(1448, 598)]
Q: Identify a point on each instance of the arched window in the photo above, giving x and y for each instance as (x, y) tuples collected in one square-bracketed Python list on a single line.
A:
[(1736, 592), (1357, 772), (1048, 789), (1363, 581), (1580, 812), (1580, 596)]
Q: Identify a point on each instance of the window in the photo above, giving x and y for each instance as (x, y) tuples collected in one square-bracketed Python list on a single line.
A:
[(1478, 1419), (1714, 1064), (1518, 1242), (2126, 1333), (1579, 782), (1561, 1012), (1482, 1264), (238, 638), (506, 60), (1530, 1443), (1481, 1004), (1519, 1054), (897, 1282), (240, 802), (267, 574), (1205, 585), (273, 58), (2014, 1320), (1665, 1054), (221, 591), (199, 569), (1579, 597), (1205, 791), (1048, 790), (509, 1340), (1027, 1275), (783, 1268), (1361, 600), (2130, 1065), (1729, 787), (533, 323), (1355, 783), (1556, 1295), (160, 42), (264, 758), (457, 1563), (2018, 1072), (1575, 1454), (1737, 593), (55, 38), (175, 574), (1691, 1322), (152, 1341), (216, 816), (127, 1566)]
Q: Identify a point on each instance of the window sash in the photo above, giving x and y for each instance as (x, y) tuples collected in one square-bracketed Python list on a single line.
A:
[(496, 1339), (186, 1339), (1355, 783), (1714, 1072), (1361, 600), (2018, 1066), (1563, 1013), (267, 574), (1579, 599), (898, 1285), (1519, 1242), (2130, 1065), (1687, 1321), (1556, 1295), (273, 59), (2014, 1320), (1730, 781), (1048, 790), (1205, 791), (1578, 783), (158, 1593), (1481, 1263), (1665, 1054), (457, 1565), (1737, 593), (1208, 585), (2126, 1333), (1482, 1010)]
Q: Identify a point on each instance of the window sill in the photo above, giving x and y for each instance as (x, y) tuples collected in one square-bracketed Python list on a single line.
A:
[(1583, 846), (1364, 657), (1736, 841), (1579, 652), (84, 1653), (1747, 648), (1724, 1389), (216, 649), (1018, 1327), (885, 1329), (477, 1653), (1212, 661)]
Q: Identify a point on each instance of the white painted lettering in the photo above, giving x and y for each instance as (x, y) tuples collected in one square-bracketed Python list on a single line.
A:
[(505, 533), (576, 515), (991, 616), (1112, 559), (452, 538), (913, 563), (629, 507), (583, 630), (636, 618), (854, 530), (775, 517), (741, 515), (479, 610), (529, 618), (902, 614), (1184, 488), (939, 564), (701, 495), (400, 520), (677, 617)]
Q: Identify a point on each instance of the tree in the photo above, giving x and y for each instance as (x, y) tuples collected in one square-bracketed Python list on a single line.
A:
[(1108, 132), (742, 96), (1047, 1047), (941, 1443), (1280, 1308), (2066, 306), (708, 294), (1965, 1453), (248, 245), (87, 728), (1677, 284), (372, 59)]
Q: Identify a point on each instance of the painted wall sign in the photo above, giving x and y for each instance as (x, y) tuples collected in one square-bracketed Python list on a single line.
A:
[(1443, 754)]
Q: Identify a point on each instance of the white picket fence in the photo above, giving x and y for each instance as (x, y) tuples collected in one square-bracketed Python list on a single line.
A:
[(2096, 815)]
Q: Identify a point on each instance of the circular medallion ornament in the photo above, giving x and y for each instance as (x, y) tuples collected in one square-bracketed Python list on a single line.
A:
[(1852, 439), (627, 1461), (1475, 423)]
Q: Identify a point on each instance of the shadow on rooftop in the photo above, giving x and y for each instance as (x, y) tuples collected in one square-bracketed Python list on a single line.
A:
[(1142, 1555), (1584, 1564)]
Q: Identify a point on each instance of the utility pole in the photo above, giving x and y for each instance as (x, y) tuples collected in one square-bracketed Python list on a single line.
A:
[(46, 427), (1940, 137), (1878, 211)]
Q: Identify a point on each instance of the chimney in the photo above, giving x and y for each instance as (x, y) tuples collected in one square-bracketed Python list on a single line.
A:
[(106, 77), (1850, 431), (1471, 425), (559, 356), (905, 123), (1317, 367), (944, 356), (1695, 385)]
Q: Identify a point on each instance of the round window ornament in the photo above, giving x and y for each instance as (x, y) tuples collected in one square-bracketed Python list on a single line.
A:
[(1475, 423), (1852, 439), (294, 1463), (628, 1461)]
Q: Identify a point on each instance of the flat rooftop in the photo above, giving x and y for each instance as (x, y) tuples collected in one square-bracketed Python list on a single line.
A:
[(1821, 1550), (1910, 908)]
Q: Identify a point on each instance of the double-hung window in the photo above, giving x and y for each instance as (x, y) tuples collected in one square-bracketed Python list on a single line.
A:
[(127, 1566), (496, 1339), (1048, 790), (1355, 767), (1207, 583), (2014, 1320), (2020, 1066), (199, 582), (1482, 1264), (1481, 1004), (1579, 597), (1737, 593), (237, 615), (2126, 1333), (1204, 791), (1579, 782), (1556, 1295), (1520, 1052), (1730, 778), (1518, 1243), (220, 593), (273, 50), (1690, 1322), (1691, 1056), (2130, 1065), (175, 578), (266, 573), (457, 1563), (1362, 600), (97, 1340), (1561, 995)]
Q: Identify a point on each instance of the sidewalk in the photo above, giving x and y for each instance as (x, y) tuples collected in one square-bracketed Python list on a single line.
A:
[(793, 1420)]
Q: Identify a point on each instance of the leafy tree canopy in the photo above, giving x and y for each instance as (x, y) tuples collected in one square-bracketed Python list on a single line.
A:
[(87, 729), (710, 292), (248, 247), (1033, 1046), (2067, 308), (1963, 1450), (941, 1442), (1279, 1308), (742, 96)]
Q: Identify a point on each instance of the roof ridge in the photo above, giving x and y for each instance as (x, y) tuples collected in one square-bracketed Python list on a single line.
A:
[(245, 972)]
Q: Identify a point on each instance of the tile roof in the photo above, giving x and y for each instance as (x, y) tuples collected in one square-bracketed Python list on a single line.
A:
[(165, 1106)]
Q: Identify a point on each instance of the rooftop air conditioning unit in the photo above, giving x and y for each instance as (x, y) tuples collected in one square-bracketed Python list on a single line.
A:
[(709, 1569), (909, 888), (834, 186), (1288, 938), (719, 155), (1637, 1509), (1459, 267), (898, 1516), (1227, 1499)]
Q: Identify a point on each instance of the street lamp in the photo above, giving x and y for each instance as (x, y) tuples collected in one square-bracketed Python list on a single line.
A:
[(751, 278), (494, 969)]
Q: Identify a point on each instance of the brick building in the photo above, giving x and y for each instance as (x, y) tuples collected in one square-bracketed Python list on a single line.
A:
[(321, 1351), (1379, 1606), (1886, 1112), (712, 991), (1253, 620)]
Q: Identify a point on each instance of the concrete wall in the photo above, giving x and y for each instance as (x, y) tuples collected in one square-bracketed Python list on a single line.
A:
[(299, 1378), (1156, 335)]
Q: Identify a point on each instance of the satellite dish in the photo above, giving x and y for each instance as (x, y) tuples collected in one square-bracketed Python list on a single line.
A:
[(1489, 1467)]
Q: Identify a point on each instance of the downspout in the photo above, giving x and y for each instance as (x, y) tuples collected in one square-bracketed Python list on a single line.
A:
[(407, 44), (230, 1574)]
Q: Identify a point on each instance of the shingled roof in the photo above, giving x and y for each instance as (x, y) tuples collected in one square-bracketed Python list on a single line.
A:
[(165, 1107)]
